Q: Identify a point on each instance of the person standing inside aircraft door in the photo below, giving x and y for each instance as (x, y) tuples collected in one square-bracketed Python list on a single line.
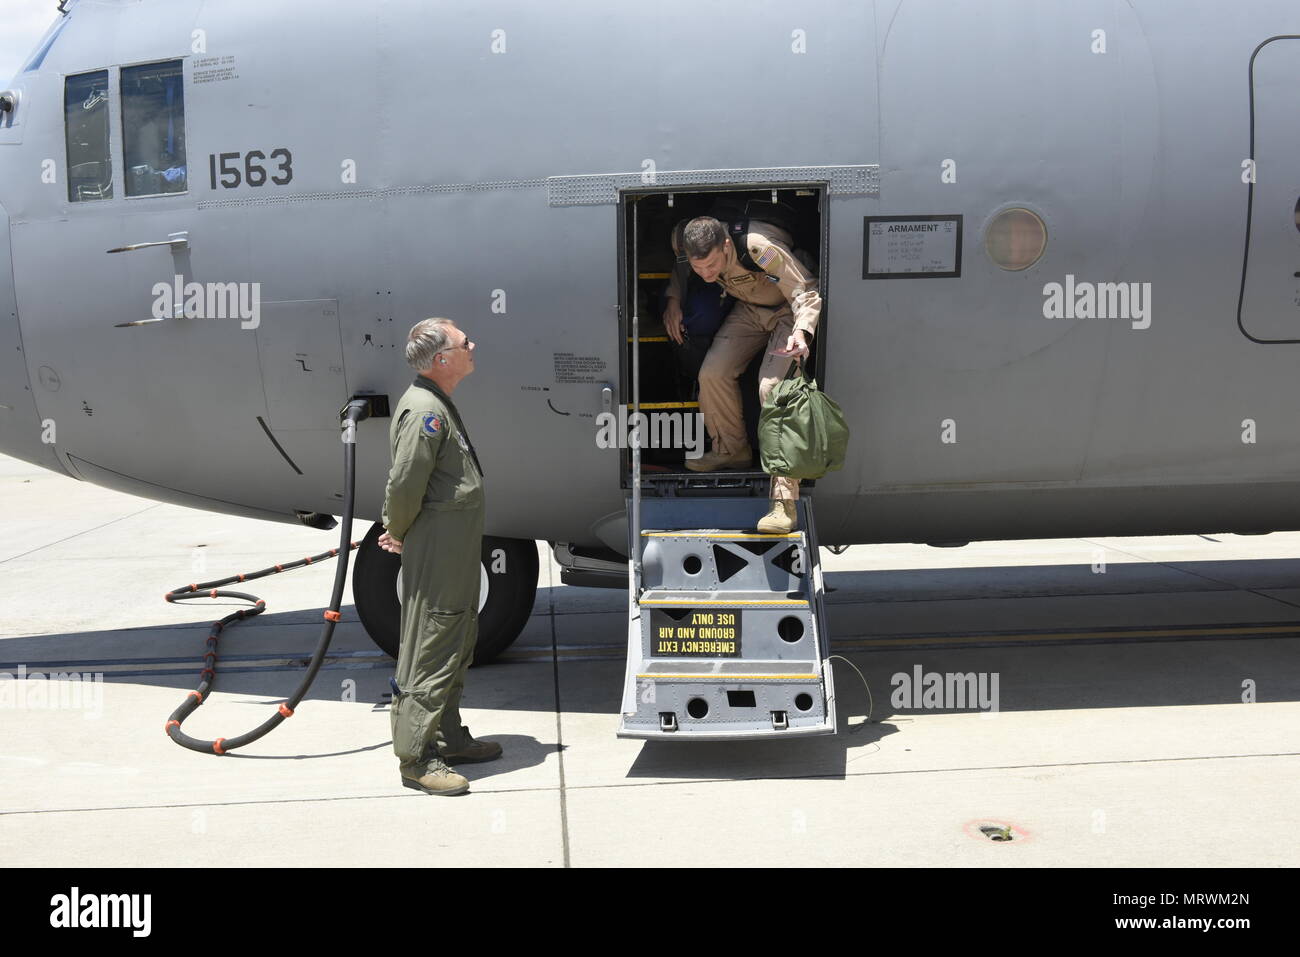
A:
[(778, 309), (433, 516)]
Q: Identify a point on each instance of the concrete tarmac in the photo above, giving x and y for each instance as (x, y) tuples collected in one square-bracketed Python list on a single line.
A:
[(1146, 712)]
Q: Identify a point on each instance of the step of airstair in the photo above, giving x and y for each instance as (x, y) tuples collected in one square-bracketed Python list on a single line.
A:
[(726, 626)]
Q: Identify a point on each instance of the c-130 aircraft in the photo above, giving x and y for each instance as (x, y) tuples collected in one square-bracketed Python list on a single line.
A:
[(1057, 246)]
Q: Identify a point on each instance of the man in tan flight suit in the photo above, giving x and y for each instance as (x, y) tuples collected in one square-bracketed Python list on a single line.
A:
[(433, 513), (777, 309)]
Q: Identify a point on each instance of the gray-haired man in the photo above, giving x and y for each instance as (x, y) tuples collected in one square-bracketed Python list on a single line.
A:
[(433, 513)]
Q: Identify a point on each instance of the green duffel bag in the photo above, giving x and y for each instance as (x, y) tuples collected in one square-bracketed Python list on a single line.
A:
[(801, 431)]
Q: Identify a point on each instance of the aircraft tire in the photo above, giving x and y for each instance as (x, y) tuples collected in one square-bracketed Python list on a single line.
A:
[(510, 570)]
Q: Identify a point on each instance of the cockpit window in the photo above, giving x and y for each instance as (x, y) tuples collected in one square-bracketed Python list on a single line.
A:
[(153, 129), (85, 110)]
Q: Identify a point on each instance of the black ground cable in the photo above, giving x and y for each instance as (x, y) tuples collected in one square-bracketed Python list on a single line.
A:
[(355, 411)]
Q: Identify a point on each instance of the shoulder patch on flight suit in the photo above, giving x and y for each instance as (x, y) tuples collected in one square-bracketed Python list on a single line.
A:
[(432, 424), (768, 257)]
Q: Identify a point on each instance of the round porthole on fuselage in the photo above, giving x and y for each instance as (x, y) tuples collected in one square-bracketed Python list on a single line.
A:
[(1015, 238)]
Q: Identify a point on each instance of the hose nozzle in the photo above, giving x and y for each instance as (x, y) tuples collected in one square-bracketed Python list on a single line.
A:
[(362, 407)]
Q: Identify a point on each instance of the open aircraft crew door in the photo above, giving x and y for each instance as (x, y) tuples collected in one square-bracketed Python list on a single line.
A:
[(658, 376), (726, 636)]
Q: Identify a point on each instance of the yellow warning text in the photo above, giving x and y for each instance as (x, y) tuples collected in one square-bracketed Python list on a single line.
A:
[(713, 633)]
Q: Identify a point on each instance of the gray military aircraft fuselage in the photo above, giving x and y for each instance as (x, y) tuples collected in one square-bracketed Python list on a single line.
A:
[(1057, 246)]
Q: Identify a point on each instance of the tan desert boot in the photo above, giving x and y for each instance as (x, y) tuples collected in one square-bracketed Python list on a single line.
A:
[(434, 777), (781, 520), (716, 461), (473, 751)]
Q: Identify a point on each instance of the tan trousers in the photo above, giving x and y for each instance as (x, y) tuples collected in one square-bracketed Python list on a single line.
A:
[(746, 330)]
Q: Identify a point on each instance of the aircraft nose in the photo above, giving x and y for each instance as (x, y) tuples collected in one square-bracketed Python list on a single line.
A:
[(21, 432)]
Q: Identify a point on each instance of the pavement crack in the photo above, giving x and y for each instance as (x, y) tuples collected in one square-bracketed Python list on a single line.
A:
[(685, 782), (84, 531), (1232, 586), (559, 725)]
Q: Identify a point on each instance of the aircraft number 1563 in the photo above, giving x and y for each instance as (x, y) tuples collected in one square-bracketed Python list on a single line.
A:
[(251, 170)]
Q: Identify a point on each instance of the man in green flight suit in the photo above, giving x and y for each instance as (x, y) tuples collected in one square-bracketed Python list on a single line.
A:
[(433, 516)]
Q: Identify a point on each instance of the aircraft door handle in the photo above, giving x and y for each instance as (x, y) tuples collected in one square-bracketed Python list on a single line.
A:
[(607, 399), (138, 322), (177, 242)]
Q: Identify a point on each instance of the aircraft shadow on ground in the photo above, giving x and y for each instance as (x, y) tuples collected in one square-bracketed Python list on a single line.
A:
[(1079, 579), (1083, 672), (1002, 581)]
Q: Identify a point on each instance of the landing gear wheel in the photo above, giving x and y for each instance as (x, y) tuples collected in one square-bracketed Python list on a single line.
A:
[(509, 586)]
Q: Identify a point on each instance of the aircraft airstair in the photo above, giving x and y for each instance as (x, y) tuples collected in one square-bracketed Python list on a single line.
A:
[(726, 626)]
